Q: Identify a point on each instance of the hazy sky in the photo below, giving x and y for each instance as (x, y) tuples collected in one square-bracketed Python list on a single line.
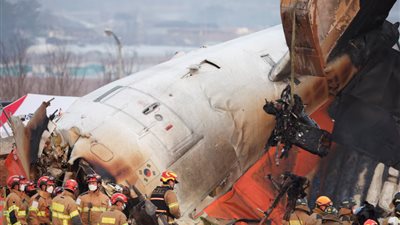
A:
[(252, 13)]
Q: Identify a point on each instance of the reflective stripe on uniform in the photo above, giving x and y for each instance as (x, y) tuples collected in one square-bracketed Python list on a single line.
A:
[(162, 199), (17, 213), (108, 220), (22, 213), (33, 209), (13, 207), (74, 213), (125, 224), (57, 207), (295, 222), (61, 216), (172, 205), (41, 213), (95, 209), (161, 211)]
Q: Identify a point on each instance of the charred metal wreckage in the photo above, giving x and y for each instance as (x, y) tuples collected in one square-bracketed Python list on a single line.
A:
[(149, 121), (290, 187), (294, 127)]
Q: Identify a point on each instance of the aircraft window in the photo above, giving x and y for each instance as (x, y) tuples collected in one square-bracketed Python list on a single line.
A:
[(151, 108), (101, 97), (267, 58)]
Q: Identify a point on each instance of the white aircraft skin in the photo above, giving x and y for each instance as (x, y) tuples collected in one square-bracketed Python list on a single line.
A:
[(203, 122)]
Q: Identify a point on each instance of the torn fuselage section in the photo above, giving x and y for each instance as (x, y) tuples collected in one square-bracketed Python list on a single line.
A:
[(44, 150)]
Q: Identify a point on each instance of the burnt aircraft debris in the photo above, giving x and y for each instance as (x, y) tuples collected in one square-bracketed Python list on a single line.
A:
[(294, 127), (289, 185)]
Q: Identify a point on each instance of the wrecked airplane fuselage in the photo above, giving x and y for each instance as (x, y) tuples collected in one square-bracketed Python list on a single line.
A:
[(201, 114), (206, 124)]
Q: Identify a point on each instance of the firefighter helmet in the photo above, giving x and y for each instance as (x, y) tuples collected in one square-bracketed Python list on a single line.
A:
[(370, 222), (397, 210), (396, 199), (93, 178), (23, 180), (118, 197), (71, 185), (30, 186), (169, 175), (348, 203), (13, 180), (301, 201), (323, 201), (58, 190), (46, 180), (331, 210)]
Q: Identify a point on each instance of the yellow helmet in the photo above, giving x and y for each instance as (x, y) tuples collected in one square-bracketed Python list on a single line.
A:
[(323, 201), (169, 175)]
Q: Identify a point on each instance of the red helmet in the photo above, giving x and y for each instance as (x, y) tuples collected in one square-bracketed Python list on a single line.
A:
[(370, 222), (13, 180), (118, 197), (30, 186), (46, 180), (71, 185), (93, 178), (169, 175), (58, 190), (23, 180)]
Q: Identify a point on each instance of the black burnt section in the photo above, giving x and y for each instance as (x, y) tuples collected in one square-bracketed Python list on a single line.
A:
[(371, 16), (367, 111), (340, 173)]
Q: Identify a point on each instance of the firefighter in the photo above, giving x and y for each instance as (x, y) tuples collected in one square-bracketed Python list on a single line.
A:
[(93, 203), (63, 207), (165, 199), (30, 189), (395, 202), (330, 216), (321, 204), (39, 210), (57, 191), (396, 199), (301, 213), (346, 211), (25, 198), (393, 218), (115, 214), (132, 202), (14, 208)]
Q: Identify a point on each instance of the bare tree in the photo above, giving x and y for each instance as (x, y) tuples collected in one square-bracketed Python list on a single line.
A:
[(109, 65), (130, 61), (61, 76), (13, 69)]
